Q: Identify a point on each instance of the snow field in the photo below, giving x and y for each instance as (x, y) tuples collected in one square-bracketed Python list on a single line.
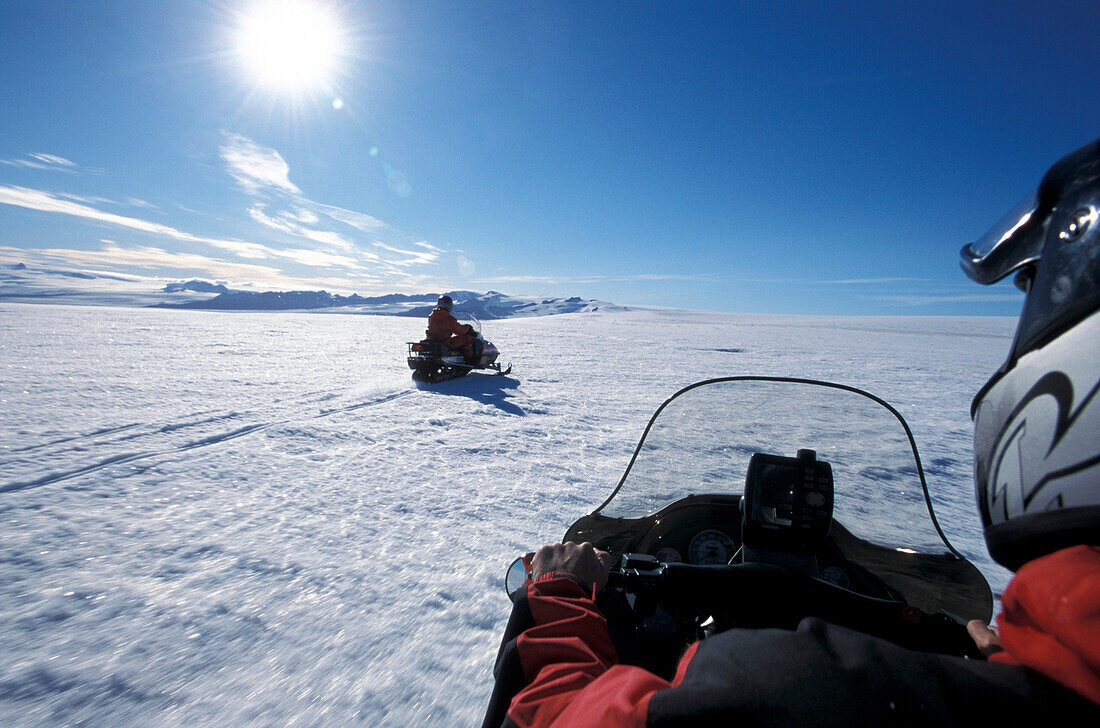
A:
[(259, 519)]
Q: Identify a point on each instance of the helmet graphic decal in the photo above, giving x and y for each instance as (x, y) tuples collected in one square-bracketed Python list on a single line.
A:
[(1021, 467)]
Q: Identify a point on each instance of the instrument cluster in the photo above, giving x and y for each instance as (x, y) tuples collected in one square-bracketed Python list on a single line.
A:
[(702, 533)]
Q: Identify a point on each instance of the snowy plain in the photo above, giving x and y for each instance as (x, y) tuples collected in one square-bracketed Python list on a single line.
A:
[(258, 519)]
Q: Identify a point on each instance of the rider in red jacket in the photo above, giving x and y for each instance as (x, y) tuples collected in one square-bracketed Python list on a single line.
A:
[(445, 328), (1037, 476), (819, 674)]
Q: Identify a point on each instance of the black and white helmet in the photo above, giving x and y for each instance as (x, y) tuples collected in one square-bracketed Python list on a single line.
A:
[(445, 303), (1037, 421)]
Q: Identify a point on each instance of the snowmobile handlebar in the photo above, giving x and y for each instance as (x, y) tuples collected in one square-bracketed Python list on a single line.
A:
[(759, 595), (707, 599)]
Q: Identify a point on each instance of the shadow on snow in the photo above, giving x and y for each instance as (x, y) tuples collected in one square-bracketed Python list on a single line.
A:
[(490, 390)]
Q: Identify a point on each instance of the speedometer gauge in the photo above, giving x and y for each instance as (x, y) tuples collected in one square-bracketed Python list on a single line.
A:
[(711, 547)]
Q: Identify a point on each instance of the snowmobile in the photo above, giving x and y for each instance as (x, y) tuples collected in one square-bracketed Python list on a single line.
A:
[(434, 362), (755, 502)]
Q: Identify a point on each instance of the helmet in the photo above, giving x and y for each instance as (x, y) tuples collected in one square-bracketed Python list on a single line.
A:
[(445, 303), (1037, 421)]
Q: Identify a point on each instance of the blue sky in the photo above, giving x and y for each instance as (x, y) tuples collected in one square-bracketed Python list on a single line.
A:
[(789, 157)]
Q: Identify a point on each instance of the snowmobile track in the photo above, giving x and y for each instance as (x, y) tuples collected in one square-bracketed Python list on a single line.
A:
[(207, 441)]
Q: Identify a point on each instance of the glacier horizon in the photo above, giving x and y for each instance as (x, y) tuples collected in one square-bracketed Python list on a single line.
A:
[(22, 284)]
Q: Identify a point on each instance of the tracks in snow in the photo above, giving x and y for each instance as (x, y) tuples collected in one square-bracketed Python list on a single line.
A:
[(193, 428)]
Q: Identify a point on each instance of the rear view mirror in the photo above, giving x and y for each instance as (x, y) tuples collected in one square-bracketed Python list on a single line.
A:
[(517, 575)]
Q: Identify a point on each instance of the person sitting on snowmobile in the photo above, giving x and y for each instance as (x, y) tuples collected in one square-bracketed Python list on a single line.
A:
[(445, 328), (1037, 477)]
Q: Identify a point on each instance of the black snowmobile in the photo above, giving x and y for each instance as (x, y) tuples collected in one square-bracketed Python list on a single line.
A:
[(758, 501), (434, 362)]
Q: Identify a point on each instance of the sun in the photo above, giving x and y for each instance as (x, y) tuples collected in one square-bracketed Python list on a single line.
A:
[(291, 45)]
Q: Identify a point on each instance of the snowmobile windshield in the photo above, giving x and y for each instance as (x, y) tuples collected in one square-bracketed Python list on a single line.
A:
[(469, 319), (700, 442)]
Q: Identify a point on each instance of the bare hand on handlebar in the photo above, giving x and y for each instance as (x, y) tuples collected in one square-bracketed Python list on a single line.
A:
[(583, 561), (987, 638)]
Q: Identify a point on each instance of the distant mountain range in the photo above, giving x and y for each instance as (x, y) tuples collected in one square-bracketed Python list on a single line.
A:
[(491, 305), (20, 283)]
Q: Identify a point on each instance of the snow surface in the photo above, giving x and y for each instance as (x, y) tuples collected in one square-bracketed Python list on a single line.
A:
[(256, 519)]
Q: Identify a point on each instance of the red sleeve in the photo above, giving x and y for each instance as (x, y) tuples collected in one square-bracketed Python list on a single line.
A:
[(576, 681), (1051, 619)]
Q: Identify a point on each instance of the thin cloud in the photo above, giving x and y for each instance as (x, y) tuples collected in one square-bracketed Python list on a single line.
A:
[(557, 280), (303, 216), (319, 259), (54, 160), (49, 162), (924, 300), (282, 207), (86, 199), (255, 167), (290, 223), (358, 220), (544, 280), (112, 255), (872, 281), (47, 202), (259, 170), (663, 277), (415, 257)]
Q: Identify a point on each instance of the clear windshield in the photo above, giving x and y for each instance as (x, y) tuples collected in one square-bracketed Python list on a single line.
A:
[(700, 442), (465, 317)]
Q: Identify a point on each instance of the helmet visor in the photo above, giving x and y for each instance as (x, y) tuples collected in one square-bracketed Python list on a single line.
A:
[(1014, 242)]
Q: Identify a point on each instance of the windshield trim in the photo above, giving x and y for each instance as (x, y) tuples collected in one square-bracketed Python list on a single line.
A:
[(794, 380)]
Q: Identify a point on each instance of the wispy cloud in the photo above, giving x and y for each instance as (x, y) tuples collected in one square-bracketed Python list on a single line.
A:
[(872, 281), (86, 199), (292, 228), (557, 280), (112, 255), (415, 257), (280, 205), (47, 202), (256, 168), (358, 220), (151, 258), (50, 162), (292, 224), (320, 259), (926, 300)]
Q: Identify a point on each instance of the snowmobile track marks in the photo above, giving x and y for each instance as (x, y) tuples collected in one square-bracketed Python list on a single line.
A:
[(213, 439)]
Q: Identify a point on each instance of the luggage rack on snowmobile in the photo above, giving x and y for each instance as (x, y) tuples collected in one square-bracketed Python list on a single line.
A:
[(425, 348)]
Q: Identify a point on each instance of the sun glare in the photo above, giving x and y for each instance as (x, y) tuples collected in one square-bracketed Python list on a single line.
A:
[(291, 45)]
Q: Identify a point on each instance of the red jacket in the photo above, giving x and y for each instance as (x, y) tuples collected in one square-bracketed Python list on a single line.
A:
[(563, 669), (444, 327), (1051, 619)]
